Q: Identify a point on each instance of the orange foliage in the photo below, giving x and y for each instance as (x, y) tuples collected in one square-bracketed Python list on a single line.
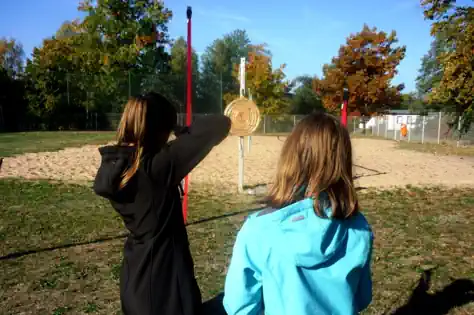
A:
[(366, 64), (267, 86)]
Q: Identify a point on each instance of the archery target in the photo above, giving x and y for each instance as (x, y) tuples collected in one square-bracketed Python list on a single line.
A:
[(244, 115)]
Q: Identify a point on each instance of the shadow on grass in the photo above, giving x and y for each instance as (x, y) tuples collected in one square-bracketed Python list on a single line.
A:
[(456, 294), (222, 216), (460, 292), (19, 254)]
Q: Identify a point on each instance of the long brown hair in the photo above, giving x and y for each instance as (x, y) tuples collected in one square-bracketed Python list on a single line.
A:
[(146, 124), (316, 158)]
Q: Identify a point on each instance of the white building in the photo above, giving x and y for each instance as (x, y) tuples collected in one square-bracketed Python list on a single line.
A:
[(394, 120)]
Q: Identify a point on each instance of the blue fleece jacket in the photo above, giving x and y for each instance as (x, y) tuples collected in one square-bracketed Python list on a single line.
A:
[(291, 261)]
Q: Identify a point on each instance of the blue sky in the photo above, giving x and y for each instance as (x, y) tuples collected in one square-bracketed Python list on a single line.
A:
[(302, 34)]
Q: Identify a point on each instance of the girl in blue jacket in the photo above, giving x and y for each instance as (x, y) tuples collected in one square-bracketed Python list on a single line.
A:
[(309, 252)]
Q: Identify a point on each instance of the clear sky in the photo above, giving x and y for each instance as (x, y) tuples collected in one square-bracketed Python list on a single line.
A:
[(303, 34)]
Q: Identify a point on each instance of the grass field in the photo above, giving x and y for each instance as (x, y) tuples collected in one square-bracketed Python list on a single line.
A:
[(439, 149), (25, 142), (414, 229)]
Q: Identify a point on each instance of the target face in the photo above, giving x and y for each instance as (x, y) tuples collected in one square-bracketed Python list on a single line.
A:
[(244, 115)]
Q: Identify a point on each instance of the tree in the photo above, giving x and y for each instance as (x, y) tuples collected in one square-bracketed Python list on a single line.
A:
[(431, 71), (134, 32), (413, 102), (366, 64), (95, 64), (218, 62), (305, 99), (11, 56), (177, 79), (49, 94), (456, 86), (68, 79), (267, 86), (13, 106)]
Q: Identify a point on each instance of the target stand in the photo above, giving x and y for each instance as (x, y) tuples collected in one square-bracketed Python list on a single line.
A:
[(245, 118)]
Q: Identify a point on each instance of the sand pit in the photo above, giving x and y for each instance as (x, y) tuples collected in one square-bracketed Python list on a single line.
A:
[(378, 164)]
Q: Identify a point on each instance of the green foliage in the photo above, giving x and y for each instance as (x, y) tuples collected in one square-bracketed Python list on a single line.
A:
[(13, 105), (95, 64), (11, 57), (218, 62), (455, 23), (431, 71), (305, 99), (132, 32), (414, 103), (177, 78)]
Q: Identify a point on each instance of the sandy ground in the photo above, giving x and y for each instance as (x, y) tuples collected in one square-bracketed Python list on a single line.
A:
[(377, 164)]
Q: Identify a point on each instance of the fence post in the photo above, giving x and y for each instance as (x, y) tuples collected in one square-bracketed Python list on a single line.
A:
[(386, 126), (439, 128), (409, 132), (459, 132), (378, 126), (423, 130), (264, 126), (294, 121), (241, 165)]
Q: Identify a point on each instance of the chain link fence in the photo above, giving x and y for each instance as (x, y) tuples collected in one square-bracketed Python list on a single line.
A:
[(269, 124), (435, 127), (432, 128)]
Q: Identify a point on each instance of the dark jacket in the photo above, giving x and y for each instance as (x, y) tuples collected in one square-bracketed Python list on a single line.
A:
[(157, 275)]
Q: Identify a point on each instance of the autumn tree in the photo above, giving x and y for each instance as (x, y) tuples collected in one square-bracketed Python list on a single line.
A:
[(366, 64), (456, 87), (266, 85)]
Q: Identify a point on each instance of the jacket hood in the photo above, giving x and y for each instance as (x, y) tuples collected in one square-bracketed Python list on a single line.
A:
[(312, 240), (115, 160)]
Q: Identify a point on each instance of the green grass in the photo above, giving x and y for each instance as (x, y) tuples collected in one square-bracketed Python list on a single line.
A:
[(414, 229), (438, 149), (25, 142)]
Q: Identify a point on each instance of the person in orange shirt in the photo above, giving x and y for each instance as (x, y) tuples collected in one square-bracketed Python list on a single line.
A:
[(404, 130)]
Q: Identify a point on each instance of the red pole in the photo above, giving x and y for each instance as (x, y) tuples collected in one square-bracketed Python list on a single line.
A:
[(344, 106), (344, 114), (189, 14)]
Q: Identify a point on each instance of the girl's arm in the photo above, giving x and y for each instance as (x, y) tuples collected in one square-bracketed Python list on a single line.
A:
[(243, 284), (192, 145)]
